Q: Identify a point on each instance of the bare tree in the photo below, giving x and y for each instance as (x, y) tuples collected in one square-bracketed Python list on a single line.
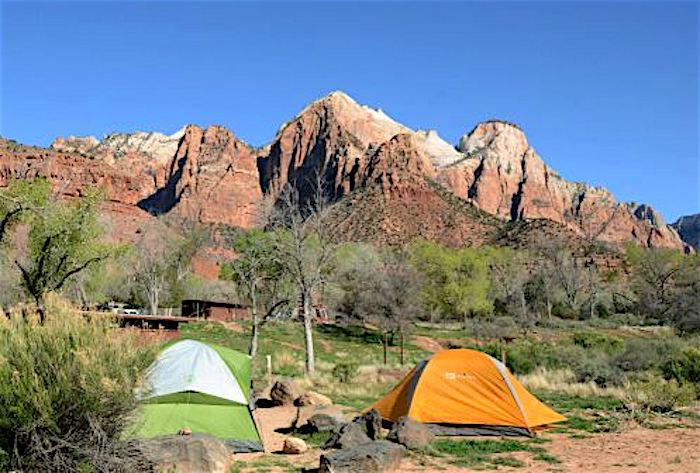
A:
[(304, 246)]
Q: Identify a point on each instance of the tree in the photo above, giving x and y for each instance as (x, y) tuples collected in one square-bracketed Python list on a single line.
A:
[(256, 273), (384, 290), (457, 280), (654, 273), (61, 238), (509, 280), (572, 282), (304, 247), (21, 198)]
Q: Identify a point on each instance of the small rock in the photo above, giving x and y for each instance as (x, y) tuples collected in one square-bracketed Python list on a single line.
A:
[(372, 457), (185, 431), (187, 454), (312, 398), (410, 433), (285, 392), (348, 436), (294, 446), (371, 423)]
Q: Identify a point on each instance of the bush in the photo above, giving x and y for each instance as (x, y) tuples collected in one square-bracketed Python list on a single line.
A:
[(642, 354), (597, 341), (345, 372), (66, 393), (684, 367), (659, 395), (599, 371)]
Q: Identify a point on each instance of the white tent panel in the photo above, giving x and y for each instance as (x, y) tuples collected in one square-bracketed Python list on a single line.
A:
[(193, 366)]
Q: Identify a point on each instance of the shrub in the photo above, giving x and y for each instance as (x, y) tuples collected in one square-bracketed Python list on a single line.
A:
[(66, 393), (345, 372), (599, 371), (658, 395), (597, 341), (684, 367), (641, 354)]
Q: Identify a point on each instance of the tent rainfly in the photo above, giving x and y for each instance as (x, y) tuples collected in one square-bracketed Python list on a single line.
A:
[(466, 392), (201, 387)]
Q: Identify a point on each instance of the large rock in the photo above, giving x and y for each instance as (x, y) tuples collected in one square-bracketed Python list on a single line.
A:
[(370, 422), (372, 457), (324, 421), (187, 454), (294, 446), (312, 398), (410, 433), (350, 435), (285, 392)]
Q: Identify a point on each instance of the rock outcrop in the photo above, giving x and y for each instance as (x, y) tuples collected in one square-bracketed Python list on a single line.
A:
[(689, 229), (504, 176), (389, 183)]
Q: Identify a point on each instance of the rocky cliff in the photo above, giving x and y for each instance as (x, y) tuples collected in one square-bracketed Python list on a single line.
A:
[(389, 182), (689, 229)]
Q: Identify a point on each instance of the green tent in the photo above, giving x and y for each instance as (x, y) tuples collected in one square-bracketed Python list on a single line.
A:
[(201, 387)]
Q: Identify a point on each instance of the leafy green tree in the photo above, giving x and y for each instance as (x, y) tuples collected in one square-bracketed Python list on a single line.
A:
[(20, 199), (257, 275), (457, 280), (62, 240)]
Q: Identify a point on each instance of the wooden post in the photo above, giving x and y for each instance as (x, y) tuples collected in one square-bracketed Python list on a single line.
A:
[(268, 359)]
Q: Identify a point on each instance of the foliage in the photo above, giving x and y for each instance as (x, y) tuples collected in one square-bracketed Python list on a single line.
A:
[(457, 280), (683, 367), (479, 453), (61, 239), (66, 392), (345, 372), (658, 395), (257, 274)]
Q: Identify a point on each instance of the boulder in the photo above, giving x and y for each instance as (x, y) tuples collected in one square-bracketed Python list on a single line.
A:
[(320, 420), (350, 435), (371, 423), (294, 446), (371, 457), (312, 398), (285, 392), (410, 433), (195, 453)]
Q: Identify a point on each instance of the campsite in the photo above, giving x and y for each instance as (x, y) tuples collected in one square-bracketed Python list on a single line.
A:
[(349, 236)]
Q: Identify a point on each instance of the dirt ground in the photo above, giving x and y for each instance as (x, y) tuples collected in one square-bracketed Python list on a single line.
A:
[(637, 450)]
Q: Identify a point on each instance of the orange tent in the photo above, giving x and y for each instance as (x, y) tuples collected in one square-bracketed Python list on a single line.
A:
[(466, 392)]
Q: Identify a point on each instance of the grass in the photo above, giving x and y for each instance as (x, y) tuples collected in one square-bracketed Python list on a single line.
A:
[(479, 454), (263, 464)]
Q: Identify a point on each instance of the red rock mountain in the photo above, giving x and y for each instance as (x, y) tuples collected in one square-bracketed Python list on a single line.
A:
[(389, 183)]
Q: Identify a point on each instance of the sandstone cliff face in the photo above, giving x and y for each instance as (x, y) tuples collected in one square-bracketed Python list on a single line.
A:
[(381, 174), (504, 176), (211, 178), (689, 229)]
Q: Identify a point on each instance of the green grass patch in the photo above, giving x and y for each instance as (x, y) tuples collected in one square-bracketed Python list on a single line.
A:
[(471, 453)]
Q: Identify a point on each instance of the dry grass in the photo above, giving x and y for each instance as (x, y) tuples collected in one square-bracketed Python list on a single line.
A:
[(564, 381)]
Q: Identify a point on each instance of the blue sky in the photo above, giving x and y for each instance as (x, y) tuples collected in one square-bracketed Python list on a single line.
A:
[(607, 92)]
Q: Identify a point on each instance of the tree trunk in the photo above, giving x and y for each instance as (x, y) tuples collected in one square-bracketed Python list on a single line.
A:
[(40, 310), (464, 319), (308, 337), (401, 350), (253, 349), (385, 344)]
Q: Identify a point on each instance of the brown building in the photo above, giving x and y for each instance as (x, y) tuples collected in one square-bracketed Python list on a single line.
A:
[(212, 310)]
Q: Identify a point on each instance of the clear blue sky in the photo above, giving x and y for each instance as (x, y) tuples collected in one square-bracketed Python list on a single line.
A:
[(607, 92)]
